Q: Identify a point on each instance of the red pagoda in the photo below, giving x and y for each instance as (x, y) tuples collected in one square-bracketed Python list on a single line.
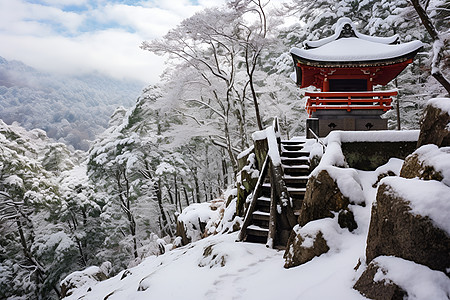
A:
[(345, 67)]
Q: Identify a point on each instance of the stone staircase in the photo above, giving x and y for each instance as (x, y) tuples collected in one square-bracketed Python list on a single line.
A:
[(295, 165)]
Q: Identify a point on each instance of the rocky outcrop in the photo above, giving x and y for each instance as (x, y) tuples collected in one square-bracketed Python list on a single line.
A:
[(198, 221), (322, 198), (389, 277), (87, 277), (395, 230), (301, 248), (434, 127), (428, 163), (409, 221), (374, 289), (413, 168)]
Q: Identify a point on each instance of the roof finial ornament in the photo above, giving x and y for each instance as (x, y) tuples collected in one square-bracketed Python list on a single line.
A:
[(347, 32)]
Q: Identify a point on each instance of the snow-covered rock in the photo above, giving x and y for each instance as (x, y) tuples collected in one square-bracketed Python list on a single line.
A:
[(435, 123), (311, 240), (331, 190), (410, 220), (197, 221), (428, 163), (389, 277), (85, 279)]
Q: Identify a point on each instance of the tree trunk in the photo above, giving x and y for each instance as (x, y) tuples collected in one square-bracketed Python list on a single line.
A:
[(426, 21), (177, 195), (161, 209), (197, 186), (206, 191), (185, 192)]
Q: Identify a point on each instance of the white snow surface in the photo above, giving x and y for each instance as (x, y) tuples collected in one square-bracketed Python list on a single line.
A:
[(441, 103), (218, 267), (271, 136), (355, 49), (245, 152), (374, 136), (426, 198), (340, 24), (347, 180), (195, 213), (359, 48), (420, 281), (438, 158)]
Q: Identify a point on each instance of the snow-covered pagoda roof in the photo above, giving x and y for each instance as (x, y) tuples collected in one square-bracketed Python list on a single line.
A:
[(347, 46)]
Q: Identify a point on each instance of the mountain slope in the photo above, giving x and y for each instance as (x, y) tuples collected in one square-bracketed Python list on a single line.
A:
[(71, 109), (217, 267)]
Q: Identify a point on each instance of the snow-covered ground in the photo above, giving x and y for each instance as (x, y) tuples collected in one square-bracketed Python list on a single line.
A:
[(217, 267), (234, 271)]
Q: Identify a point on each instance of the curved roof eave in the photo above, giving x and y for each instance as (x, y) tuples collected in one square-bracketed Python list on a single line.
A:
[(348, 50)]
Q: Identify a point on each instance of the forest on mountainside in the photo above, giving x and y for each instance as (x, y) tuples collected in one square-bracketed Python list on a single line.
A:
[(227, 75), (70, 109)]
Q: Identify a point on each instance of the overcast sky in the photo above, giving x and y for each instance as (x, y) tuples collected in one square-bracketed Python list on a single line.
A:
[(76, 36)]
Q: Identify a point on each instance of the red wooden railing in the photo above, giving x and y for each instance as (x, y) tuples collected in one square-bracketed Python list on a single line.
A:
[(349, 100)]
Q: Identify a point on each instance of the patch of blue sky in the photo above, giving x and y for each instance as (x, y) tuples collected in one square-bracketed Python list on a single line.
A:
[(71, 7), (91, 25), (55, 26)]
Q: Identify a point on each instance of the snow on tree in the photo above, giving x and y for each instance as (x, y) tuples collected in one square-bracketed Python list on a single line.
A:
[(33, 250)]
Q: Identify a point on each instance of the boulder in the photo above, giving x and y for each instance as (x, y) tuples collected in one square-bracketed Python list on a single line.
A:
[(85, 278), (398, 231), (381, 176), (302, 248), (415, 168), (389, 277), (322, 198), (198, 220), (428, 163), (434, 127), (378, 289)]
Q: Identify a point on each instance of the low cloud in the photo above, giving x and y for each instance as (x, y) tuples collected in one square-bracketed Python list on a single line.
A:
[(102, 37)]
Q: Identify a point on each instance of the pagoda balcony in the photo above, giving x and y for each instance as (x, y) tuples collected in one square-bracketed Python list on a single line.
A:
[(349, 101)]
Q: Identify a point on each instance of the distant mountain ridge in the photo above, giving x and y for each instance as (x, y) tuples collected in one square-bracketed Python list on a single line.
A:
[(71, 109)]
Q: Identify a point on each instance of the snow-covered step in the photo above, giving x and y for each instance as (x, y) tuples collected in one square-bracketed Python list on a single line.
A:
[(296, 190), (257, 230), (291, 142), (263, 204), (297, 138), (292, 147), (302, 160), (301, 177), (261, 215), (296, 181), (298, 153), (264, 198), (297, 167)]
